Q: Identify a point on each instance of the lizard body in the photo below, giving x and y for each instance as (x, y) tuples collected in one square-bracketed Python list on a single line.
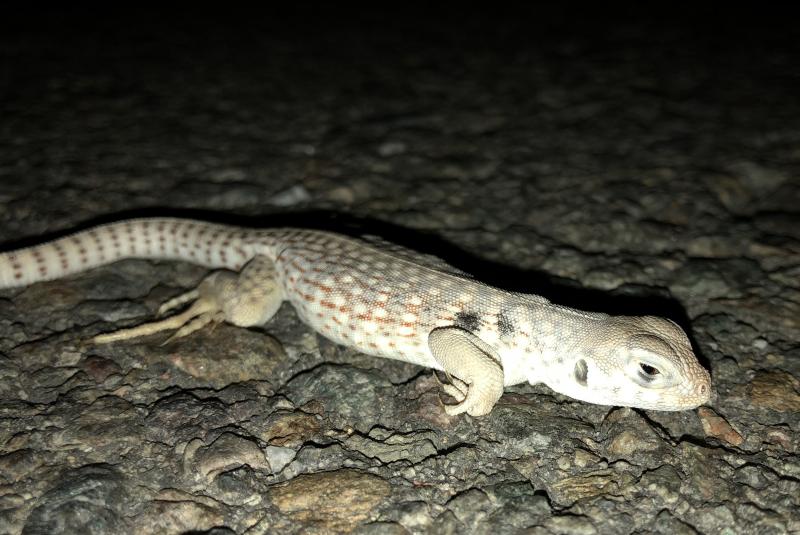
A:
[(394, 304)]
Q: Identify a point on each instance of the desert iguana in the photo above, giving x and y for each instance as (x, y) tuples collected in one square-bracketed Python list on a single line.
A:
[(392, 303)]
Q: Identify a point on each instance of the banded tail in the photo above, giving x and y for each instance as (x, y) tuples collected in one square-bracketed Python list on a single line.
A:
[(207, 244)]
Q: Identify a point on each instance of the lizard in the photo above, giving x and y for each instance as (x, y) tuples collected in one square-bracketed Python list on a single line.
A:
[(393, 303)]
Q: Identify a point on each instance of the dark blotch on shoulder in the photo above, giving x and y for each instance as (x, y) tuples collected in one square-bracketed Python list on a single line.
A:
[(468, 321), (505, 325)]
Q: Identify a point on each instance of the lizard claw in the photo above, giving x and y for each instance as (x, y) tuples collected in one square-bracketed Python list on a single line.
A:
[(201, 313), (177, 301), (470, 398), (476, 403), (455, 387), (195, 324), (454, 392)]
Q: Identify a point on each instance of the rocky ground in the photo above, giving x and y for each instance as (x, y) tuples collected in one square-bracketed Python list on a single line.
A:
[(624, 163)]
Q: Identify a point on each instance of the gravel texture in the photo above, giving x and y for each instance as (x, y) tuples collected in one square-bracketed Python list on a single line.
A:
[(626, 163)]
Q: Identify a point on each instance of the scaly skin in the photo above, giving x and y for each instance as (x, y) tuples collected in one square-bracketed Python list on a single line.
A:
[(392, 303)]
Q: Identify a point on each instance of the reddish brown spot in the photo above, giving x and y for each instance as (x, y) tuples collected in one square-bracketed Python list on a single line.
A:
[(345, 309), (373, 345), (392, 344), (17, 275), (322, 287), (327, 304)]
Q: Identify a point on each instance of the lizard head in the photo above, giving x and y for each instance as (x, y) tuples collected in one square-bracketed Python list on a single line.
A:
[(643, 362)]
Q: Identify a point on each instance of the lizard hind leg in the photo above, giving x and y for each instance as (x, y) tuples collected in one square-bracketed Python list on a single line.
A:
[(249, 298)]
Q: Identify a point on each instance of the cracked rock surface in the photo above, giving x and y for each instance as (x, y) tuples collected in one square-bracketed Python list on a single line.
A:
[(628, 163)]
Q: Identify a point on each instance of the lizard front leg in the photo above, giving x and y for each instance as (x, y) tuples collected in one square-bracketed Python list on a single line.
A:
[(468, 358), (248, 298)]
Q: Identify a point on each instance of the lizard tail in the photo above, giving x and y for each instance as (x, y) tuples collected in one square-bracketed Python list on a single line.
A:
[(207, 244)]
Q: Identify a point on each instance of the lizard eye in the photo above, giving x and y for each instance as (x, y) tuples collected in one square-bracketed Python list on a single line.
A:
[(647, 371), (649, 362), (650, 371)]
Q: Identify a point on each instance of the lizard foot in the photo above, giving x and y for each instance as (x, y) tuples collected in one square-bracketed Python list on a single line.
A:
[(248, 298), (461, 353), (206, 309), (475, 403), (479, 404), (456, 388)]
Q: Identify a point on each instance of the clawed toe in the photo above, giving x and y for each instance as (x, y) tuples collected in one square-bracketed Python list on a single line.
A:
[(195, 324), (453, 391), (176, 302), (202, 312), (470, 400), (459, 390), (472, 405)]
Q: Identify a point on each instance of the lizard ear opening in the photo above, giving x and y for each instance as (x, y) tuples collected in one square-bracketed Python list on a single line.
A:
[(581, 372)]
